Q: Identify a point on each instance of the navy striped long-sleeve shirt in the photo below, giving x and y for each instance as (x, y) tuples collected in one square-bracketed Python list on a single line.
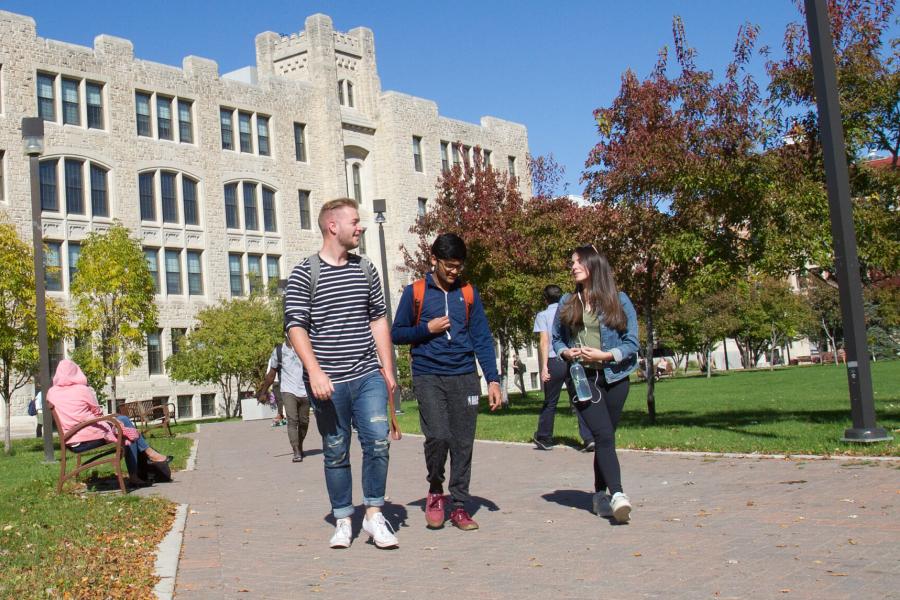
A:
[(338, 318)]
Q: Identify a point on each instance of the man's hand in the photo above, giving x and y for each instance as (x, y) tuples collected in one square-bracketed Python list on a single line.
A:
[(545, 374), (495, 397), (439, 324), (321, 385), (390, 382)]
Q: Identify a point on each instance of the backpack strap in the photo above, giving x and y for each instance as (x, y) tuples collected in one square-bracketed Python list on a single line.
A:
[(418, 298), (315, 266), (468, 293), (278, 355)]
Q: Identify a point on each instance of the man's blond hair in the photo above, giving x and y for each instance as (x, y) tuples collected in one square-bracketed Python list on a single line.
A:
[(333, 205)]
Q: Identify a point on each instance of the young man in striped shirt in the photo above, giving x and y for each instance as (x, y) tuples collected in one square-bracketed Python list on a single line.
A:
[(337, 325)]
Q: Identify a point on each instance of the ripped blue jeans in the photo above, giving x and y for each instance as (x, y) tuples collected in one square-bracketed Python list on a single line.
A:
[(362, 403)]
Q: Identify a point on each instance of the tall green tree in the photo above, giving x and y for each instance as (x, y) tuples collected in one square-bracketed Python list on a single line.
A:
[(19, 355), (112, 298), (230, 347)]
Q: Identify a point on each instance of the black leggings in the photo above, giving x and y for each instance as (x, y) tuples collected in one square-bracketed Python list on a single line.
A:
[(602, 414)]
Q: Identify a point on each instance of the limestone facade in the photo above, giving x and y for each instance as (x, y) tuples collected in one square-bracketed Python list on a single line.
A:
[(121, 132)]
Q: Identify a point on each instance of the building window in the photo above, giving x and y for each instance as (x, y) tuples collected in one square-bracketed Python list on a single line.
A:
[(534, 381), (268, 198), (164, 118), (225, 119), (486, 158), (49, 196), (74, 255), (273, 270), (53, 267), (169, 196), (189, 200), (195, 273), (350, 94), (231, 208), (185, 403), (422, 207), (99, 195), (357, 183), (71, 110), (185, 122), (142, 113), (345, 93), (455, 154), (94, 93), (2, 182), (236, 274), (207, 405), (74, 187), (445, 161), (55, 354), (173, 272), (147, 199), (417, 153), (250, 220), (300, 141), (154, 353), (305, 220), (177, 337), (262, 135), (341, 92), (152, 257), (46, 97), (512, 166), (245, 131), (254, 272)]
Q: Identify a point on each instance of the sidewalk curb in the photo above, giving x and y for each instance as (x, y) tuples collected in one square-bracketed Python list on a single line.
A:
[(689, 454), (167, 555), (192, 457)]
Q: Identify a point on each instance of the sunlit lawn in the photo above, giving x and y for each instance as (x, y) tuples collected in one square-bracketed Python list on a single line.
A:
[(797, 410), (79, 544)]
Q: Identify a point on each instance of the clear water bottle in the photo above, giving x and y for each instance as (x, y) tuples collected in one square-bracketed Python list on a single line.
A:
[(580, 380)]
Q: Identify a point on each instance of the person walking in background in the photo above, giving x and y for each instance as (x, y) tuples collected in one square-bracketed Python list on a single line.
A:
[(443, 320), (285, 364), (554, 373), (597, 327), (335, 318)]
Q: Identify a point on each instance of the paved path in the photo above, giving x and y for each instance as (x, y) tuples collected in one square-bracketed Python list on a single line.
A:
[(258, 527)]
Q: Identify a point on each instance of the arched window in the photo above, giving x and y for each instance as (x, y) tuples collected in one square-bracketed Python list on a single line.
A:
[(168, 196), (74, 180)]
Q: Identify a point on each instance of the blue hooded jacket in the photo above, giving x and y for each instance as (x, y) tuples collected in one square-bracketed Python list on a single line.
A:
[(452, 352)]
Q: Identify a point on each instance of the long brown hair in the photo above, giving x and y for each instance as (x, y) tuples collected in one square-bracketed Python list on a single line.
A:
[(601, 293)]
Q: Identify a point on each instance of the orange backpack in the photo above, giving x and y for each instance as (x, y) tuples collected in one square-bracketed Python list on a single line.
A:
[(468, 293)]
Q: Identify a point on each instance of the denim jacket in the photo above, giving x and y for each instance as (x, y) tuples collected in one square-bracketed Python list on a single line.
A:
[(622, 344)]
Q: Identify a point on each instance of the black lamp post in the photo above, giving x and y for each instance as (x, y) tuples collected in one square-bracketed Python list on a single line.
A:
[(859, 374), (379, 207), (33, 147)]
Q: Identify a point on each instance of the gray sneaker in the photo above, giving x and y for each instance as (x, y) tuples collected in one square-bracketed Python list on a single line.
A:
[(602, 507), (621, 507)]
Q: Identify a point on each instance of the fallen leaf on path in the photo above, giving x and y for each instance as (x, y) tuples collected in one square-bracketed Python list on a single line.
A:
[(637, 554), (852, 542), (792, 481)]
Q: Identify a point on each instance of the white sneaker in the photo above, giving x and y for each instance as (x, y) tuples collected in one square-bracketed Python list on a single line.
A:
[(380, 531), (342, 534), (602, 507), (621, 507)]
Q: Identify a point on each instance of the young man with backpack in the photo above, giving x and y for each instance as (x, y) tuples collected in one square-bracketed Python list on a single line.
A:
[(335, 318), (284, 363), (443, 320)]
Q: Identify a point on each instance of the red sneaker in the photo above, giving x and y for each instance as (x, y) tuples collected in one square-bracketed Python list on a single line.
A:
[(461, 519), (434, 510)]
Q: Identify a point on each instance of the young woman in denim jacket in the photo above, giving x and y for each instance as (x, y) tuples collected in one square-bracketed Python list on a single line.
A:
[(597, 326)]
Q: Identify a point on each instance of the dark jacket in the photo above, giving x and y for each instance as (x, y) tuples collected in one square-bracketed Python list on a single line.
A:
[(622, 344), (452, 352)]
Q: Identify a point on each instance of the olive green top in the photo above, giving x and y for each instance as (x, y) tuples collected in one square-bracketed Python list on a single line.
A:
[(589, 335)]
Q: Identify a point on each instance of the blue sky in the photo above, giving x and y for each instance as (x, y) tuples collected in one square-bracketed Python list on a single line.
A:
[(546, 64)]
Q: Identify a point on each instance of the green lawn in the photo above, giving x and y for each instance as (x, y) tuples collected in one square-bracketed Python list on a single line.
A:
[(77, 544), (796, 410)]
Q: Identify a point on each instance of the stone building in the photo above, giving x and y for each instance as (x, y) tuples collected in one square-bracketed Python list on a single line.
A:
[(219, 175)]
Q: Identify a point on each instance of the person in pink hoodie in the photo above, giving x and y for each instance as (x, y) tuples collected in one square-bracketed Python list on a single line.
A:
[(75, 402)]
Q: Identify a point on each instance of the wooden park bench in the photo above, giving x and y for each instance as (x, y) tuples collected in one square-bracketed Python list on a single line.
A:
[(147, 414), (110, 452)]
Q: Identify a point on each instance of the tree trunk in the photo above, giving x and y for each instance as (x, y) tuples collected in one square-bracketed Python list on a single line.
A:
[(651, 368), (725, 351), (7, 430), (772, 353), (709, 361), (112, 386)]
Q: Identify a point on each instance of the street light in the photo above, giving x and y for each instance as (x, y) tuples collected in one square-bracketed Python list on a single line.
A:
[(33, 147), (379, 207)]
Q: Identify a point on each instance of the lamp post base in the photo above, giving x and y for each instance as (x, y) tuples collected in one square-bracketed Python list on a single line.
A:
[(866, 436)]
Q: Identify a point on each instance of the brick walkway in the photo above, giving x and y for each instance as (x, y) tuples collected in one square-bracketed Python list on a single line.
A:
[(702, 527)]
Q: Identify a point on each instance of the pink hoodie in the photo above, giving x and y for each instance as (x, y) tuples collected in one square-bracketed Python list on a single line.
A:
[(75, 402)]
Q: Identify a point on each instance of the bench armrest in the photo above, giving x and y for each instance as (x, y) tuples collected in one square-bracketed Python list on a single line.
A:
[(110, 418)]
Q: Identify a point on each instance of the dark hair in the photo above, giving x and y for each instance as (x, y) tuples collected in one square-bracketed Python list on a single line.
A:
[(449, 246), (601, 292), (552, 294)]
